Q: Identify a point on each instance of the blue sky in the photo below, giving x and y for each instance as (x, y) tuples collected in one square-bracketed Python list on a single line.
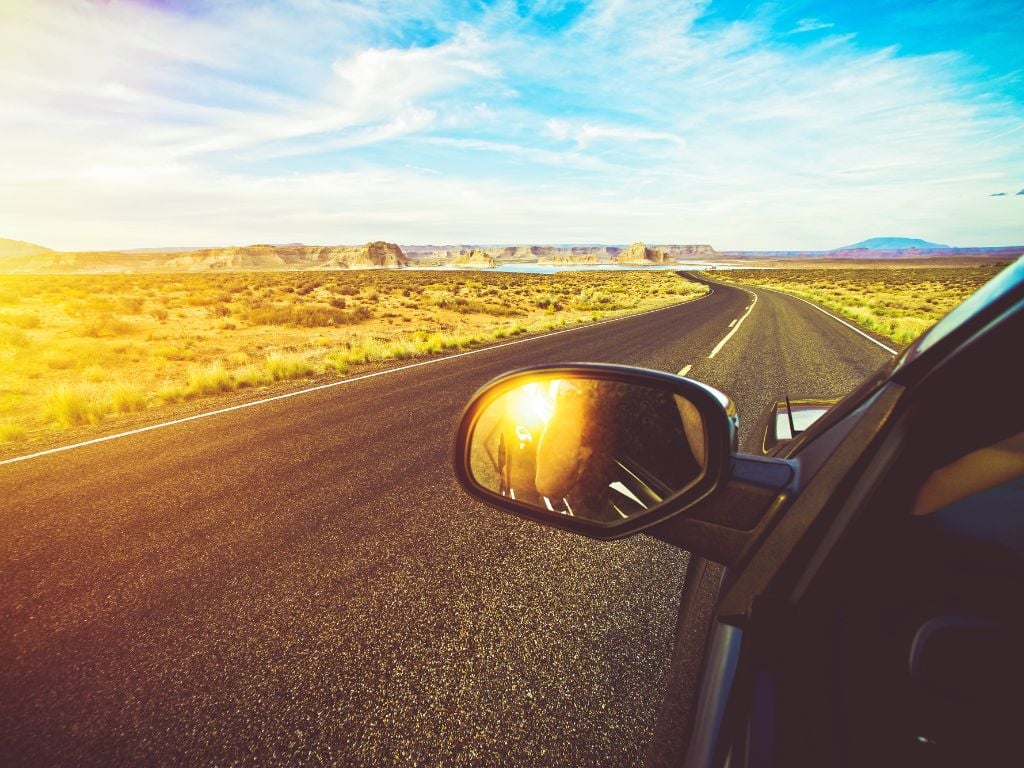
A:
[(744, 125)]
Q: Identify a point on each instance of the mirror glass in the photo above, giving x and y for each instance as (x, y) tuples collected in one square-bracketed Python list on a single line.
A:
[(600, 450)]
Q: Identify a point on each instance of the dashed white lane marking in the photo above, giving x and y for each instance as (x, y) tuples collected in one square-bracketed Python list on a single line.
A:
[(329, 385), (837, 319), (732, 323), (718, 347), (685, 370)]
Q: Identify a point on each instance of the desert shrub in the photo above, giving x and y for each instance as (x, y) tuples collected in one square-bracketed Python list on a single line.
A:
[(307, 316), (220, 310), (69, 406), (60, 361), (11, 431), (130, 305), (104, 325), (207, 380), (337, 362), (126, 398), (283, 367), (95, 374), (175, 352), (170, 393), (13, 338), (20, 319)]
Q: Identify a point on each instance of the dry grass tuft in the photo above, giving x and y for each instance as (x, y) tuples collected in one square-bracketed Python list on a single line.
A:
[(70, 406), (11, 431)]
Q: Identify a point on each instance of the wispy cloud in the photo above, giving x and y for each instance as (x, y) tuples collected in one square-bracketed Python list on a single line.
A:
[(810, 25), (128, 123)]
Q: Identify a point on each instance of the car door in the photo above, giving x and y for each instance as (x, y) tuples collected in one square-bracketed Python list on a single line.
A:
[(875, 636)]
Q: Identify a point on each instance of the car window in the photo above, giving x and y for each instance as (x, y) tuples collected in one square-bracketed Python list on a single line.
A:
[(993, 291)]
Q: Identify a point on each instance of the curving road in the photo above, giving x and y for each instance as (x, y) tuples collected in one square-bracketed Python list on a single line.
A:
[(303, 583)]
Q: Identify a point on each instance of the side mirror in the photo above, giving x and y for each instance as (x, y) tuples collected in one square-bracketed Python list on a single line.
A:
[(789, 418), (597, 449)]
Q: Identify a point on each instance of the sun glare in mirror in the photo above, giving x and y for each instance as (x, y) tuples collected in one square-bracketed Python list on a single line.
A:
[(597, 449)]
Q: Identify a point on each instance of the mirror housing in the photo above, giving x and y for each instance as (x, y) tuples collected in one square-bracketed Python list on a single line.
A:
[(635, 411)]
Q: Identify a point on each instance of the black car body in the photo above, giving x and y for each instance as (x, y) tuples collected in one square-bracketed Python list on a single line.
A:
[(868, 576)]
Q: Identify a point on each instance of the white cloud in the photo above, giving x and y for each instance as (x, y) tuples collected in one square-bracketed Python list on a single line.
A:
[(125, 125), (810, 25), (585, 134), (374, 80)]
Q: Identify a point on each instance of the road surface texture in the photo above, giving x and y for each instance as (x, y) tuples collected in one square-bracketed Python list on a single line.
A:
[(303, 583)]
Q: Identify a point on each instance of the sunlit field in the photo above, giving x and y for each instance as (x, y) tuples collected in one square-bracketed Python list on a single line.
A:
[(897, 303), (85, 350)]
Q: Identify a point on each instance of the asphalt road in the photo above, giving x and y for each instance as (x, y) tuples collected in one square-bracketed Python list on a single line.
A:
[(302, 582)]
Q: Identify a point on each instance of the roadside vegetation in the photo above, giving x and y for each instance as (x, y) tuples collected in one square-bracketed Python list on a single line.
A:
[(79, 350), (897, 303)]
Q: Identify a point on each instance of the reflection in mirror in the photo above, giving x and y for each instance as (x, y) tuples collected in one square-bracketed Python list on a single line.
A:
[(596, 449)]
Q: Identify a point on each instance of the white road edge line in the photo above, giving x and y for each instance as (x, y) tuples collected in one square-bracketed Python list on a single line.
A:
[(718, 347), (837, 319), (685, 371), (329, 385)]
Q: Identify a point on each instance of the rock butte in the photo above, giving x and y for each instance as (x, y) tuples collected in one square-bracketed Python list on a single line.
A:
[(377, 254)]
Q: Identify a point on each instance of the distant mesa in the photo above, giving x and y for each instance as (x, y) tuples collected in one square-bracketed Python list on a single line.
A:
[(640, 254), (893, 244), (583, 258), (700, 251), (483, 256), (381, 254), (377, 254), (580, 255), (475, 258), (17, 248)]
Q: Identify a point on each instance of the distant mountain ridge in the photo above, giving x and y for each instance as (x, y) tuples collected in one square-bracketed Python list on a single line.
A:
[(21, 257), (377, 254), (893, 244), (639, 254)]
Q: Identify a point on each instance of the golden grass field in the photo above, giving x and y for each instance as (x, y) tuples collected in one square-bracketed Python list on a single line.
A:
[(897, 303), (79, 350)]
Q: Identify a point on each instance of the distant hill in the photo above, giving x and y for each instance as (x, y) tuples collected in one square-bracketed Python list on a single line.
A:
[(639, 254), (167, 249), (375, 254), (893, 244), (16, 248), (250, 257)]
